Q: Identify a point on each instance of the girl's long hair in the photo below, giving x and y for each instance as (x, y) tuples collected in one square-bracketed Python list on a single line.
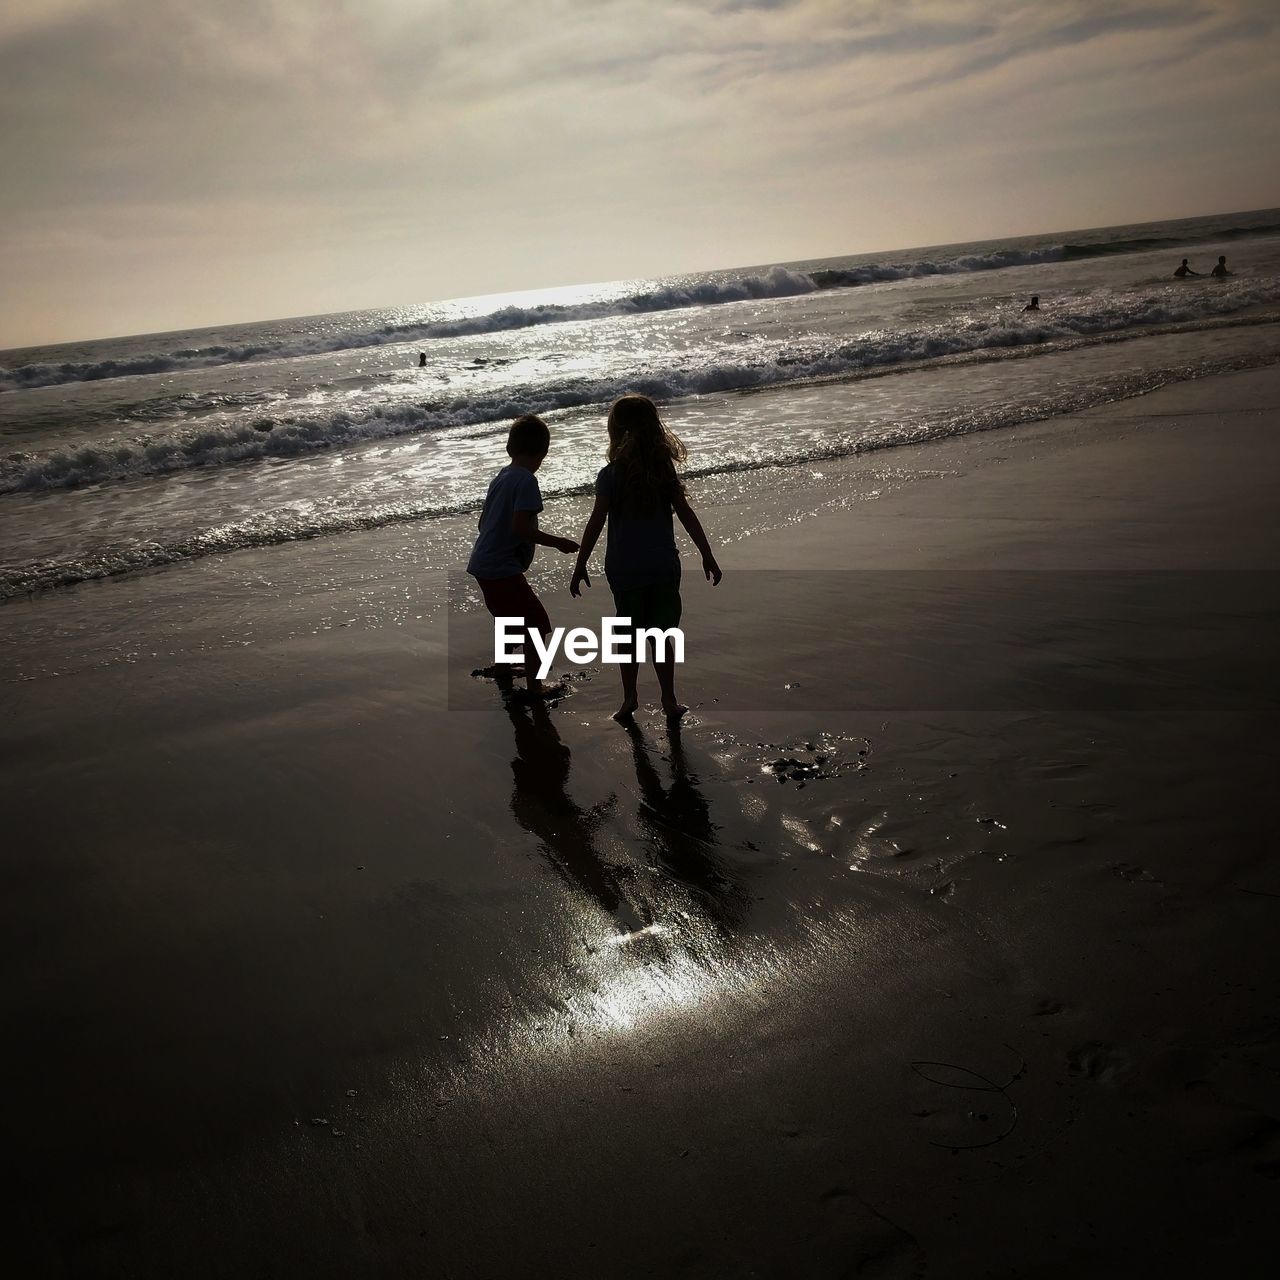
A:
[(644, 452)]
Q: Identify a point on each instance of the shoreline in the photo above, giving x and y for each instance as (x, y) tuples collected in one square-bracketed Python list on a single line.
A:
[(66, 559), (973, 973)]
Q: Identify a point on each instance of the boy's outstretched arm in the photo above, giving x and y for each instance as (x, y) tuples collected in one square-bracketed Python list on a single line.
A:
[(693, 527), (524, 525), (590, 536)]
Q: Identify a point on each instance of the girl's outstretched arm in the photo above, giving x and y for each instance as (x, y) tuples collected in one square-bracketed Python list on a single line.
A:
[(590, 536), (693, 527)]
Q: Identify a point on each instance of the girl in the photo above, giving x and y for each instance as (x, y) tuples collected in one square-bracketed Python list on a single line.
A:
[(637, 493)]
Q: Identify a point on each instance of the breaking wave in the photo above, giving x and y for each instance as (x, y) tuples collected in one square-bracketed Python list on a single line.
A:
[(1147, 244), (278, 527), (772, 282), (776, 282), (874, 273), (249, 438)]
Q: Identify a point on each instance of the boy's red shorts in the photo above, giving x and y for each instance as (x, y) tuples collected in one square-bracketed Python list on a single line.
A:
[(513, 597)]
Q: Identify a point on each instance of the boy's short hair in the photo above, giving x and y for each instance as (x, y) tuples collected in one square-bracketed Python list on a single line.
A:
[(528, 435)]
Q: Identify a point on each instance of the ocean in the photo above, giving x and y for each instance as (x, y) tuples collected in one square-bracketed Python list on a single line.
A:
[(133, 453)]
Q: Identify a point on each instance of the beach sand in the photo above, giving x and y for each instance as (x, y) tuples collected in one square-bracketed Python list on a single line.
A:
[(939, 941)]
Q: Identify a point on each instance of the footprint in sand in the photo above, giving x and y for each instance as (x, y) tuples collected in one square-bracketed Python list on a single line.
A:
[(1105, 1063), (1133, 874)]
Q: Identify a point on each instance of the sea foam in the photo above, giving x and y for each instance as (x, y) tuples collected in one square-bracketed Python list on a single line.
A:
[(243, 438), (776, 282)]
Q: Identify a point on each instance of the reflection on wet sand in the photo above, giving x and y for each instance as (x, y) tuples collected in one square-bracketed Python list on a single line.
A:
[(651, 935), (567, 833), (675, 820), (671, 903)]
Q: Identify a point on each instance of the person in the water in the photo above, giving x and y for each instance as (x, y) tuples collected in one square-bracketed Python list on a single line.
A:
[(1034, 304), (1184, 271), (1221, 269)]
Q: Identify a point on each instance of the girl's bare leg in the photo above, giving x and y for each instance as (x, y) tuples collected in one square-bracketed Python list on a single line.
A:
[(667, 683), (630, 675)]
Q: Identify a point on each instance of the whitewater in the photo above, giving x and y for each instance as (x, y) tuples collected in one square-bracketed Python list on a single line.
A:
[(127, 453)]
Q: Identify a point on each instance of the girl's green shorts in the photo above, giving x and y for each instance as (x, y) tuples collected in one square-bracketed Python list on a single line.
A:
[(655, 605)]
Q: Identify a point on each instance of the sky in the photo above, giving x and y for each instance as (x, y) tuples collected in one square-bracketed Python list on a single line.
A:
[(170, 164)]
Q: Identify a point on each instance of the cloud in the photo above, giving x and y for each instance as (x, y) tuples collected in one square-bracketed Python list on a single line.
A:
[(21, 17), (439, 146), (1036, 31)]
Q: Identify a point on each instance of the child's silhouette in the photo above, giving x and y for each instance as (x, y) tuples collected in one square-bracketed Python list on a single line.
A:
[(637, 493), (509, 534)]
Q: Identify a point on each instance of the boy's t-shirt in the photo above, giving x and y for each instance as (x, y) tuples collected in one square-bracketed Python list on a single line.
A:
[(498, 553), (640, 547)]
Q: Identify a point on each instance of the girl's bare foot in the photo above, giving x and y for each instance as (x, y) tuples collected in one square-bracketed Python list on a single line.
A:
[(627, 710), (674, 710)]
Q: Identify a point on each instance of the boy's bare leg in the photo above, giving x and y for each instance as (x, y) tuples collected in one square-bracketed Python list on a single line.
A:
[(529, 659), (630, 675), (667, 683), (531, 681)]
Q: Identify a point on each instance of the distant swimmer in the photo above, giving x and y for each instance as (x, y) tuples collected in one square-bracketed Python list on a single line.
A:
[(1034, 304), (1221, 269), (422, 359), (1184, 271)]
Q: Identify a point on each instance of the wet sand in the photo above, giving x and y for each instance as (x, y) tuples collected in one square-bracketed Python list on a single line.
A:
[(939, 941)]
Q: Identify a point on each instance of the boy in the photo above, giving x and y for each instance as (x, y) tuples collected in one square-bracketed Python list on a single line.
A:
[(509, 532)]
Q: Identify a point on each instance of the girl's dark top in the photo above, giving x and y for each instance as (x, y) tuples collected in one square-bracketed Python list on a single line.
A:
[(640, 549)]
